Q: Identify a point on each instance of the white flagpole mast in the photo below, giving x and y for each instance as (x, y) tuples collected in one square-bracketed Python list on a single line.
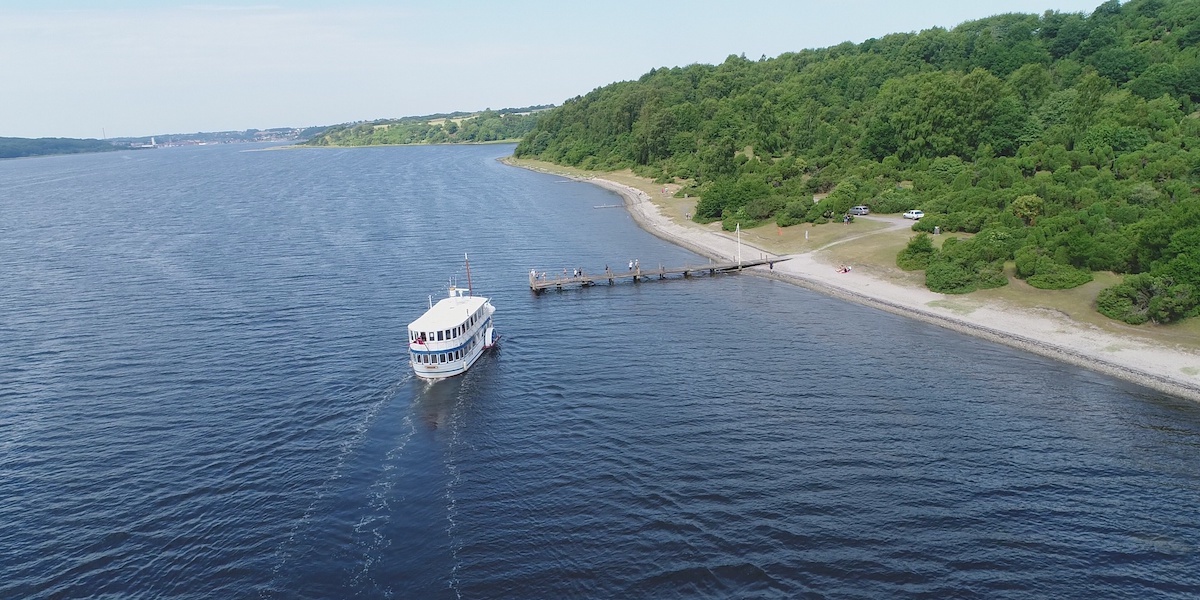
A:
[(739, 238), (468, 261)]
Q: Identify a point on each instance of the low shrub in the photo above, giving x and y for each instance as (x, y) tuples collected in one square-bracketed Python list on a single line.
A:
[(917, 254), (1145, 297), (1042, 272), (949, 277)]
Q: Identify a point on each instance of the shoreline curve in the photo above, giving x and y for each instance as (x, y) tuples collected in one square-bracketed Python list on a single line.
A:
[(1082, 347)]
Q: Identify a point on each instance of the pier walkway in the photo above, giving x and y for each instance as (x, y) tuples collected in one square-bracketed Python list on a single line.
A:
[(538, 282)]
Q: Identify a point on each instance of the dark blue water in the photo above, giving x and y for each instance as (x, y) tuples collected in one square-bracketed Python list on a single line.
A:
[(204, 394)]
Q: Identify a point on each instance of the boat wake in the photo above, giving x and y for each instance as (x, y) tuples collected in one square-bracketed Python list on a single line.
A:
[(372, 526), (454, 478), (377, 391)]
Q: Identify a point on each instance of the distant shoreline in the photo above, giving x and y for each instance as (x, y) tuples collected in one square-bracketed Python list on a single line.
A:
[(1173, 371), (493, 142)]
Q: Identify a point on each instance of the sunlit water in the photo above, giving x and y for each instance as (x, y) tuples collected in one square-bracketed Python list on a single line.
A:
[(204, 393)]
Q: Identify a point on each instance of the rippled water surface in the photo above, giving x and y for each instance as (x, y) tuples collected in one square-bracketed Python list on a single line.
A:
[(204, 393)]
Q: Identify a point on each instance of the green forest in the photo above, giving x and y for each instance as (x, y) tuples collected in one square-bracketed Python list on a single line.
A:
[(1065, 143), (21, 147), (449, 128)]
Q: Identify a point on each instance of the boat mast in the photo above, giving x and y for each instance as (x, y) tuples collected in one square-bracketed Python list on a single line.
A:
[(468, 261)]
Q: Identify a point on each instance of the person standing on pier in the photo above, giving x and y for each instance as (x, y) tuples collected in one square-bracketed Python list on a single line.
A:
[(631, 264)]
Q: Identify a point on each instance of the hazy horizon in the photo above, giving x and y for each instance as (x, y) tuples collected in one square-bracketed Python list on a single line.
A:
[(140, 68)]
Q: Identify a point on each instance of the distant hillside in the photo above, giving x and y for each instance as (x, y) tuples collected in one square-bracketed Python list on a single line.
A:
[(446, 128), (277, 134), (1068, 143), (19, 147)]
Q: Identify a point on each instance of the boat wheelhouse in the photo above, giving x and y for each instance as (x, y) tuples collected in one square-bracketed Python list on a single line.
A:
[(451, 335)]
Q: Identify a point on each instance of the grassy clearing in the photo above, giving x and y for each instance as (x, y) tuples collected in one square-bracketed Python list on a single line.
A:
[(875, 254), (807, 237)]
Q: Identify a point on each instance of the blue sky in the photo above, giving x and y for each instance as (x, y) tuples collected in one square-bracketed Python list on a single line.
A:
[(134, 68)]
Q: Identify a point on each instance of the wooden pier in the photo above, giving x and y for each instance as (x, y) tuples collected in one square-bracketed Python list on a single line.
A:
[(538, 282)]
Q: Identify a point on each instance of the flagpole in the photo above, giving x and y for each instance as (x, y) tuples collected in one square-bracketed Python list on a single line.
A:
[(468, 261), (739, 238)]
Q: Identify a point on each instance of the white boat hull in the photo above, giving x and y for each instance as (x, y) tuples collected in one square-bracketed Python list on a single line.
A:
[(451, 368), (451, 356)]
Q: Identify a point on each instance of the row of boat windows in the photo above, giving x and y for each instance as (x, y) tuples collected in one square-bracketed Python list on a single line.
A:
[(445, 334), (443, 357)]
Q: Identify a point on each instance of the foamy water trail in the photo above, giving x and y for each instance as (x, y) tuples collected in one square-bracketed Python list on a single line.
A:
[(452, 483), (378, 515), (346, 449)]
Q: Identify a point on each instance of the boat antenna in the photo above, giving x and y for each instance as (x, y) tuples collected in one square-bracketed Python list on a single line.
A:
[(468, 261)]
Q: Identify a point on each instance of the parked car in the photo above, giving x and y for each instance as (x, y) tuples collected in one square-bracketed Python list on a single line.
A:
[(914, 214), (860, 210)]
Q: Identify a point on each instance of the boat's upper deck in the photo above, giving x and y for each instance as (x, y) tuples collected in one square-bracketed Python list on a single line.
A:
[(448, 313)]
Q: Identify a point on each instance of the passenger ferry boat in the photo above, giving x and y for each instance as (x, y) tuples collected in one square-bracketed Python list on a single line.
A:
[(452, 334)]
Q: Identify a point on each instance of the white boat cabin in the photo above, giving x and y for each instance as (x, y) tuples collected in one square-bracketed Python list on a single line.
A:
[(451, 335)]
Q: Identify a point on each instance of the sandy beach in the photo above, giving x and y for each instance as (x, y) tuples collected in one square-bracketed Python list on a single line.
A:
[(1172, 370)]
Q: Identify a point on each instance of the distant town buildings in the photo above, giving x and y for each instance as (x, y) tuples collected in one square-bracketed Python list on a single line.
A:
[(284, 134)]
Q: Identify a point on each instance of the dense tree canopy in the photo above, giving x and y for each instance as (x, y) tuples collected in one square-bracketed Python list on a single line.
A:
[(1068, 143)]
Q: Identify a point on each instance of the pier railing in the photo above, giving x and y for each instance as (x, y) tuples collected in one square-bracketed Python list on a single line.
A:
[(538, 281)]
